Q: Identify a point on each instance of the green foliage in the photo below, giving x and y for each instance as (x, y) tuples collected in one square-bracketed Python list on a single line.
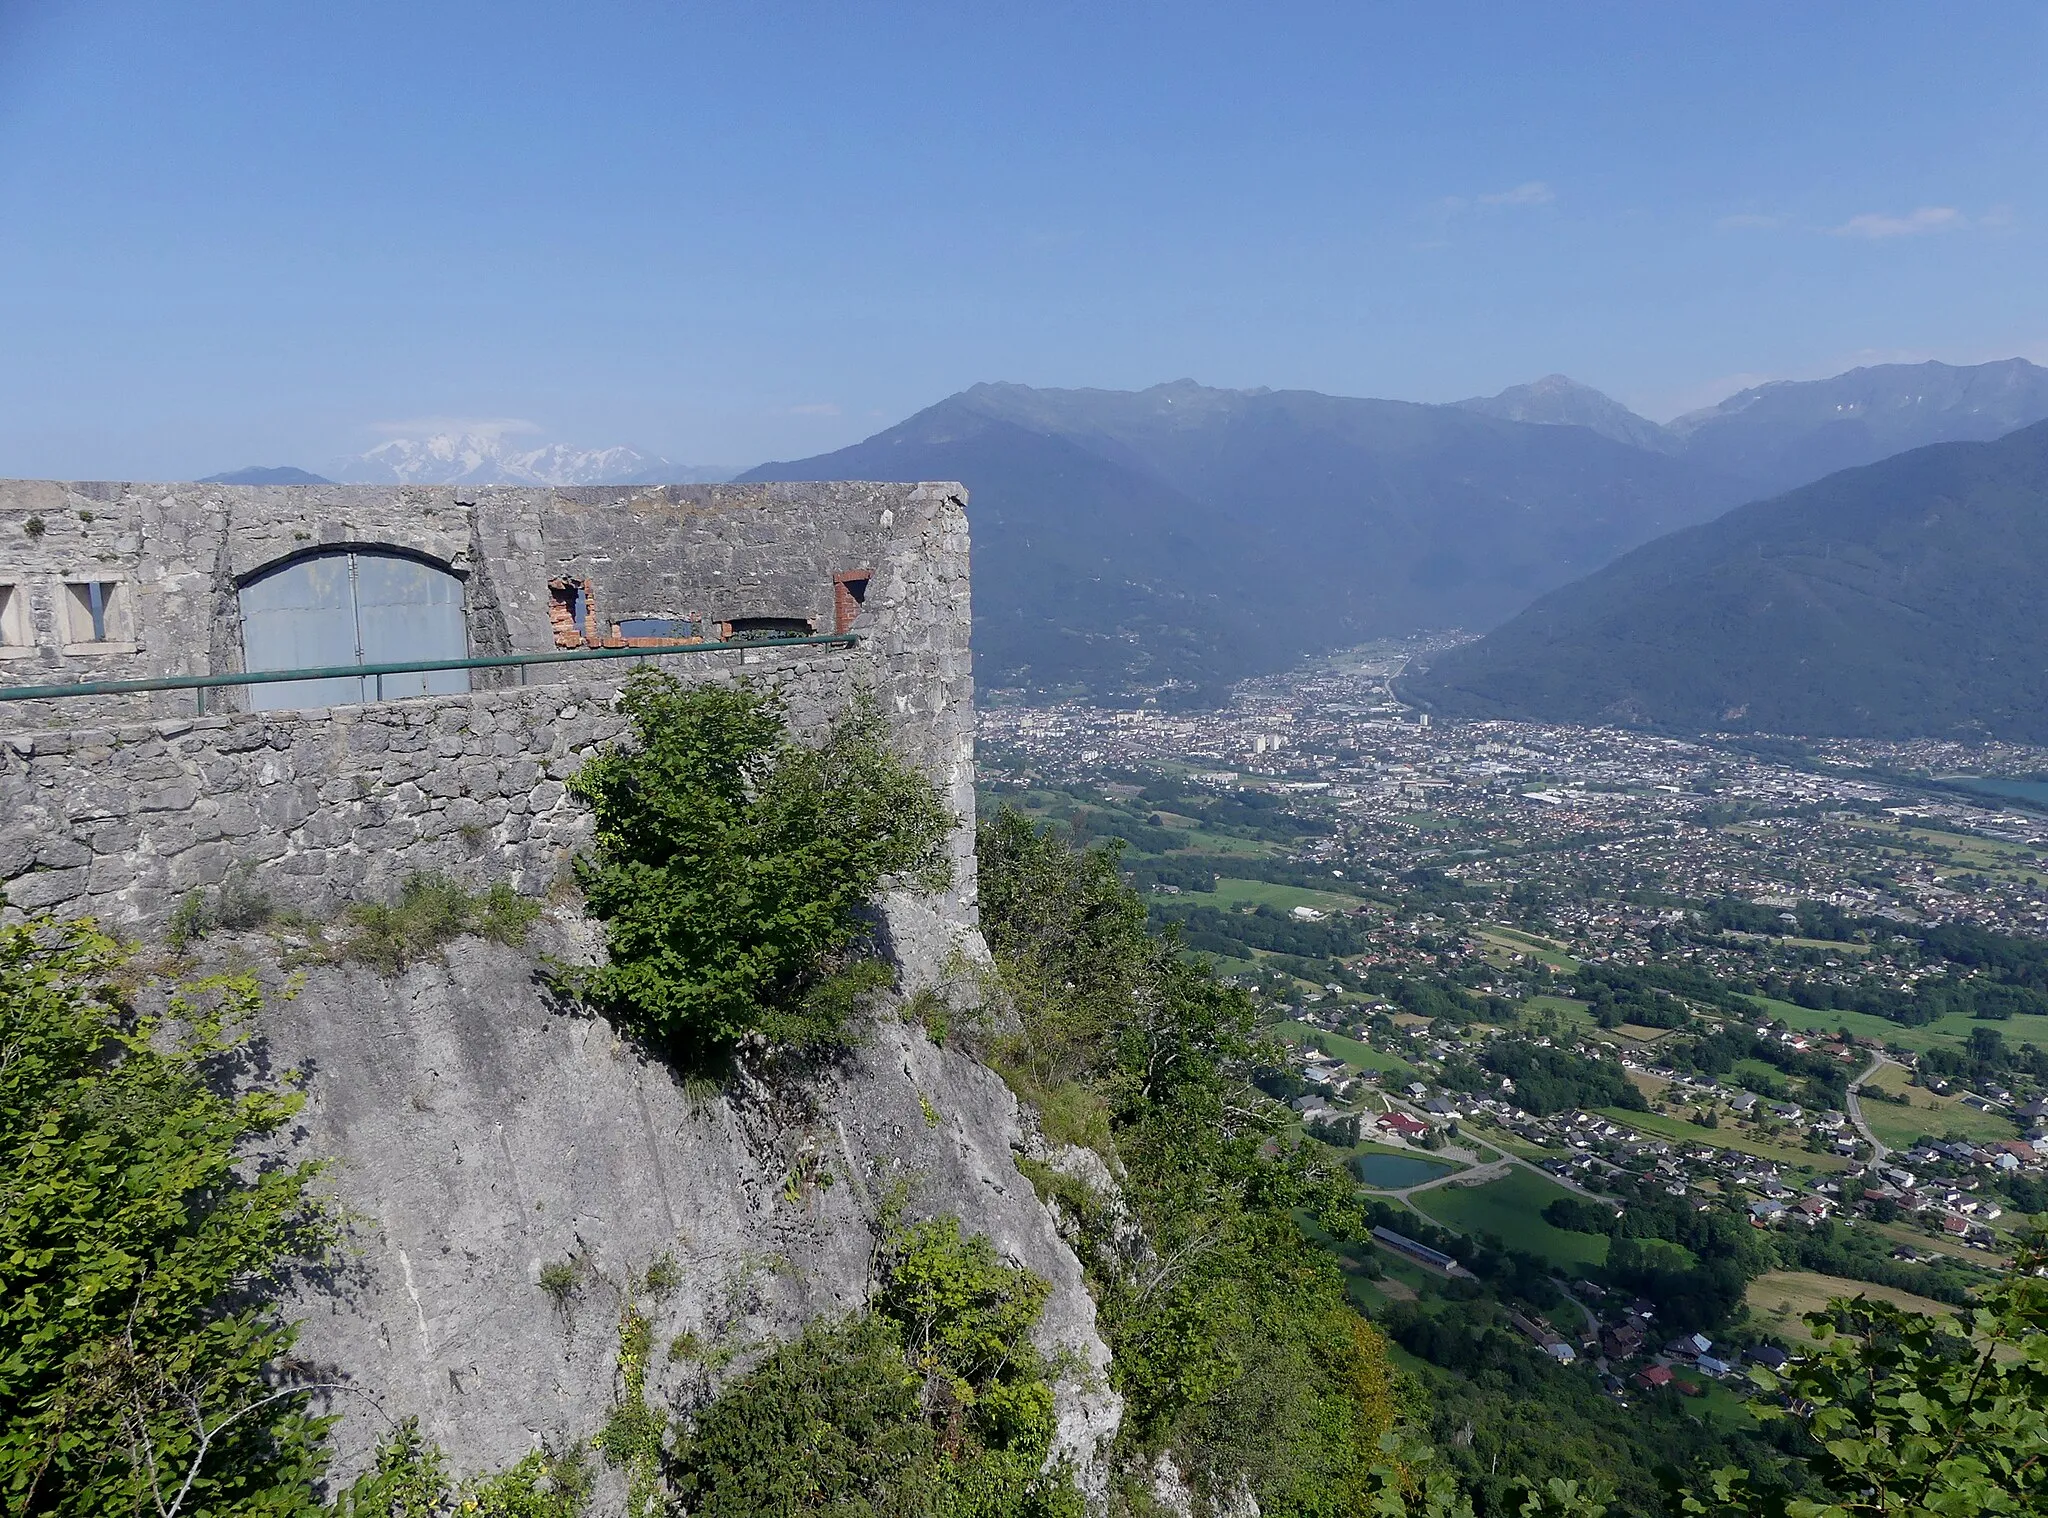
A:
[(431, 911), (1234, 1345), (731, 863), (236, 906), (411, 1480), (1906, 1419), (934, 1402), (634, 1435), (558, 1279), (928, 1010), (662, 1278), (134, 1242)]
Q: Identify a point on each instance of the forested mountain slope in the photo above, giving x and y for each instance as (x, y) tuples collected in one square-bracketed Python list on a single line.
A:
[(1896, 600), (1125, 540)]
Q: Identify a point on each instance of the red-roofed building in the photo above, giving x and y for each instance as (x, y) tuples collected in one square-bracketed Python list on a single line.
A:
[(1654, 1377), (1403, 1124)]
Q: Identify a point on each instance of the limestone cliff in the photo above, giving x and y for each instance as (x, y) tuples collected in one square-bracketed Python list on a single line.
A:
[(481, 1133)]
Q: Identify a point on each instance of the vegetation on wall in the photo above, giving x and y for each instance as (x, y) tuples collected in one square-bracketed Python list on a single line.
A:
[(137, 1352), (731, 862)]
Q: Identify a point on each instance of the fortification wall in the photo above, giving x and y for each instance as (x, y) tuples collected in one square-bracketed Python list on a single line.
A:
[(116, 805)]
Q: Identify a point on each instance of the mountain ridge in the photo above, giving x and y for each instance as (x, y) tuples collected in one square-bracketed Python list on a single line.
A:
[(1887, 600)]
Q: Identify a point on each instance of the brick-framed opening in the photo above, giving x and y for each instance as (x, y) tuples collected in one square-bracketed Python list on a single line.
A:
[(849, 593)]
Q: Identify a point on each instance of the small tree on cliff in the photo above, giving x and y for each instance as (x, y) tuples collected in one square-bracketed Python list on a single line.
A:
[(731, 863), (138, 1357)]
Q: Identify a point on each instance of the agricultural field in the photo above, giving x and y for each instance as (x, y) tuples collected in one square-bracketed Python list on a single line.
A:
[(1233, 892), (1778, 1299), (1512, 1208), (1511, 943), (1897, 1127), (1952, 1031), (1355, 1054)]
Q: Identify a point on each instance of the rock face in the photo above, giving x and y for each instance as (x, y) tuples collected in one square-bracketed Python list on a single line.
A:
[(482, 1135)]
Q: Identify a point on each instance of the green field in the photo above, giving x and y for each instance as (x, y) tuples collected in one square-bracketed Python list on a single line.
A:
[(1513, 1209), (1350, 1050), (1573, 1014), (1954, 1030), (1232, 892), (1725, 1137), (1778, 1299), (1521, 943), (1897, 1127)]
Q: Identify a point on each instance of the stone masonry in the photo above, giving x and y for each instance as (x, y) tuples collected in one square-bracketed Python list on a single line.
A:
[(117, 805)]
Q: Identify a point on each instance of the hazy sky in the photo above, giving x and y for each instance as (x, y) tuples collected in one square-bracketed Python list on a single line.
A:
[(236, 233)]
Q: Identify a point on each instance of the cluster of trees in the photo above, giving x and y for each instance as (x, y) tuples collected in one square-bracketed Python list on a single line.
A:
[(1547, 1078), (1717, 1053), (1234, 1345)]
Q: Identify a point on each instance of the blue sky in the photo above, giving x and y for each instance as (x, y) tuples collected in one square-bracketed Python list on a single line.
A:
[(239, 233)]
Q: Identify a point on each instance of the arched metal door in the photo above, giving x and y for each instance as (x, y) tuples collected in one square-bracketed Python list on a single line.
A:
[(353, 607)]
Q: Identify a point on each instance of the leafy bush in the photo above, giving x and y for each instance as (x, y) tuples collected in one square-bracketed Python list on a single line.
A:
[(411, 1480), (235, 906), (731, 863), (933, 1402), (135, 1347)]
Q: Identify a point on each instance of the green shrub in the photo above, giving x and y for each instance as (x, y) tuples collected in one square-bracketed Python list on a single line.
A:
[(411, 1480), (662, 1278), (731, 864), (558, 1279), (431, 911), (135, 1242), (235, 905), (932, 1403)]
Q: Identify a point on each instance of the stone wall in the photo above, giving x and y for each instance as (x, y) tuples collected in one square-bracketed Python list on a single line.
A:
[(322, 808), (117, 805)]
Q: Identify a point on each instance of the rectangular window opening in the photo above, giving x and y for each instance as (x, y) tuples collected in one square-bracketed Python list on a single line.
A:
[(655, 632), (15, 634), (572, 613), (96, 613)]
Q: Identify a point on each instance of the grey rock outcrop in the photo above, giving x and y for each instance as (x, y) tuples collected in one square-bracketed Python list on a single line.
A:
[(483, 1135)]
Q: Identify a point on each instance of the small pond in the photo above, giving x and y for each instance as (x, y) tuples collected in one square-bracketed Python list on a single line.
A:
[(1390, 1172)]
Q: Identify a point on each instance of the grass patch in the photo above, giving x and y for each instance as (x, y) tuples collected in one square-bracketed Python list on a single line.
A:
[(1952, 1031), (1573, 1014), (1778, 1300), (1233, 892), (1355, 1054), (1513, 1209), (1926, 1112), (431, 910), (1726, 1137), (1533, 948)]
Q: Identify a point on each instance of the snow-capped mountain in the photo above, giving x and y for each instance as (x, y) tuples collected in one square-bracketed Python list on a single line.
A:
[(493, 458)]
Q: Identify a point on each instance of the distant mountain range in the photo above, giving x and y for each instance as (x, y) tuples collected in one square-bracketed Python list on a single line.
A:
[(1899, 599), (490, 458), (258, 474), (485, 458), (1177, 538), (1170, 540)]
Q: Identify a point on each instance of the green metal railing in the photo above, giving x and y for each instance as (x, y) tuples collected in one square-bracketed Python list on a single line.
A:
[(201, 684)]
